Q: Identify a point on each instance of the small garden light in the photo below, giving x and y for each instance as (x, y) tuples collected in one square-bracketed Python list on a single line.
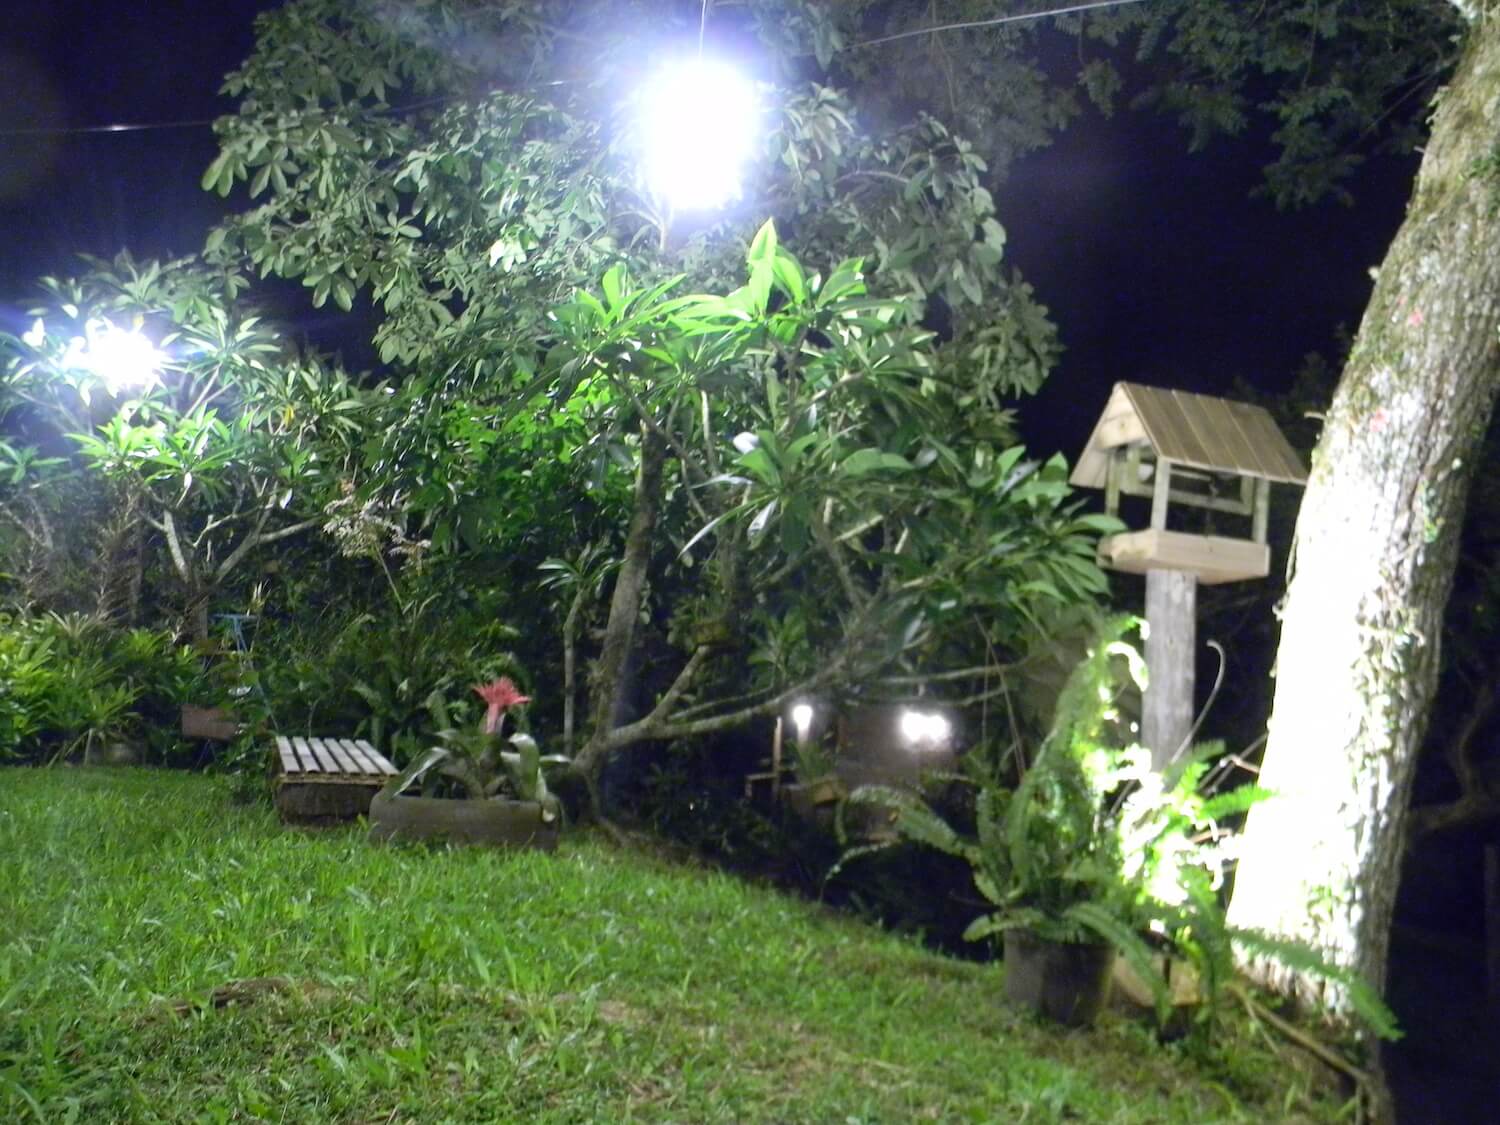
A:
[(699, 129), (802, 717), (124, 358), (925, 729)]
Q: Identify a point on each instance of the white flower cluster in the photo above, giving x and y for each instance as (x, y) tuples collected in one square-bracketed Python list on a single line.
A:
[(368, 529)]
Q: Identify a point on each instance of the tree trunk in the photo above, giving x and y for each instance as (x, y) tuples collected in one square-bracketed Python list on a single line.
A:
[(195, 614), (624, 611), (1167, 710), (570, 663), (1373, 561)]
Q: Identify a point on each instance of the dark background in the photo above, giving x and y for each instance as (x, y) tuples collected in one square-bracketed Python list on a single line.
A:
[(1157, 264)]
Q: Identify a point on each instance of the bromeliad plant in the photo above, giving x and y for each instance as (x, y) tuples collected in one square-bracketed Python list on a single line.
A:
[(484, 764)]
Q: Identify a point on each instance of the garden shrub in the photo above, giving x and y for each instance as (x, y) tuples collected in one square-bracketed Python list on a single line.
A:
[(395, 679), (68, 683)]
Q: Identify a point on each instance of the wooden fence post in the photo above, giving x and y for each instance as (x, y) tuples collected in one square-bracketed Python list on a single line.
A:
[(1171, 615)]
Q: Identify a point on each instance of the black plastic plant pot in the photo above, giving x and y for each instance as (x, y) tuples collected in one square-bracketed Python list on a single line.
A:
[(1066, 982), (495, 822)]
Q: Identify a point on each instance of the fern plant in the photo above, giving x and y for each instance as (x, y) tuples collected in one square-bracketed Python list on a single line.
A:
[(1094, 844)]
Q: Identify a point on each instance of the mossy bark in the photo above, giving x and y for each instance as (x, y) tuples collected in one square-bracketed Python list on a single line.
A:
[(1375, 550)]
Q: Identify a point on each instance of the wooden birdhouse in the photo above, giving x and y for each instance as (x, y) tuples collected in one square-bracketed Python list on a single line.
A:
[(1207, 466), (1198, 459)]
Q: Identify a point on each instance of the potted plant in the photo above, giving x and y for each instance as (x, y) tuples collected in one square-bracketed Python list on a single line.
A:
[(1048, 866), (817, 786), (479, 787)]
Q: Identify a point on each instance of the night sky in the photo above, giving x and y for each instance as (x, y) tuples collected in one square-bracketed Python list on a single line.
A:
[(1156, 264)]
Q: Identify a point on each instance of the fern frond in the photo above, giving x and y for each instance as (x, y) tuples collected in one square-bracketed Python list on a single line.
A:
[(1302, 958), (915, 821), (1130, 945), (1233, 801), (993, 925), (854, 853)]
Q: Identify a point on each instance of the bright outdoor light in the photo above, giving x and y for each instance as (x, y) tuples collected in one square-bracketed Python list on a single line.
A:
[(925, 728), (699, 126), (802, 717), (123, 358)]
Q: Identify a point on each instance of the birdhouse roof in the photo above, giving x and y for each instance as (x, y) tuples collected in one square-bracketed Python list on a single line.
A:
[(1200, 431)]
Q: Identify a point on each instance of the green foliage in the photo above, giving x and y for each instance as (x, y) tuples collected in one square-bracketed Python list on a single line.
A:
[(1094, 842), (70, 684), (397, 680), (688, 798), (235, 445), (27, 676), (857, 468), (1330, 81), (811, 758), (465, 220), (1000, 85), (1336, 79)]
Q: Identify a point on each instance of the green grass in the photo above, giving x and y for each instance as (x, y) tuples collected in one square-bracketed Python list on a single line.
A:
[(432, 985)]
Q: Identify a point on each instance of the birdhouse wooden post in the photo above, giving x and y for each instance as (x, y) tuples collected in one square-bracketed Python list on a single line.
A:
[(1198, 459)]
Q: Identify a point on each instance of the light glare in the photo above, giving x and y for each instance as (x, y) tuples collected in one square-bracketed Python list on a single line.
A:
[(124, 359), (925, 728), (802, 716), (699, 125)]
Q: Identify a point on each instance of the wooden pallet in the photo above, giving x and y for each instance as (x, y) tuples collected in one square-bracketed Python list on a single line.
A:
[(324, 780), (337, 760)]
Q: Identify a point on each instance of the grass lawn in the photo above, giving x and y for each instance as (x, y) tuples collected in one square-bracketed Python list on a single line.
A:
[(167, 955)]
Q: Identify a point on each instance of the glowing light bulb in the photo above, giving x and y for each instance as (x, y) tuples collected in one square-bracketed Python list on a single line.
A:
[(925, 728), (699, 126), (124, 359), (802, 717)]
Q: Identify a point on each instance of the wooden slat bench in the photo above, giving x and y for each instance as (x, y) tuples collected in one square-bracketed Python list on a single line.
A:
[(324, 780)]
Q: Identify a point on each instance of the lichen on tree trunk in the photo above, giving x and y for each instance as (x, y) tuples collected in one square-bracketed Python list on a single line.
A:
[(1375, 550)]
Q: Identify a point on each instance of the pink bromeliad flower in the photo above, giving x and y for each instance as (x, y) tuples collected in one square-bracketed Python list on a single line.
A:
[(499, 696)]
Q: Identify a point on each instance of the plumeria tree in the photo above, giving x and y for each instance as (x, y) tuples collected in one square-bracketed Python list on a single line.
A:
[(796, 473), (803, 458), (463, 191), (221, 442)]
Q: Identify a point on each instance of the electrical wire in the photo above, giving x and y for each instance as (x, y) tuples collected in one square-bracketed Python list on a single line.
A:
[(145, 126), (198, 123), (994, 22), (59, 131)]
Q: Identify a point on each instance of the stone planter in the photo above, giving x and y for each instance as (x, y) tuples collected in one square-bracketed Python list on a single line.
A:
[(212, 723), (496, 822), (1067, 982), (325, 803)]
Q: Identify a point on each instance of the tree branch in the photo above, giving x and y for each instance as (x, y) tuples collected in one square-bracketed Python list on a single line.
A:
[(1476, 804), (255, 538), (287, 532), (168, 527), (831, 671), (856, 596), (642, 728), (687, 459)]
